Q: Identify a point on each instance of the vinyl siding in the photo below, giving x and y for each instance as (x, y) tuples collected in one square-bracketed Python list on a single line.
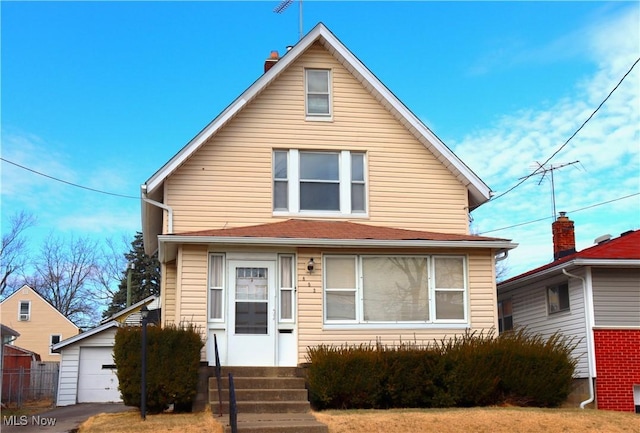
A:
[(311, 331), (616, 297), (530, 310), (44, 320), (168, 292), (70, 365), (228, 181)]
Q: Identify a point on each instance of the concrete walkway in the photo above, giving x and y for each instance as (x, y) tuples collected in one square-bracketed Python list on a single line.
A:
[(60, 419)]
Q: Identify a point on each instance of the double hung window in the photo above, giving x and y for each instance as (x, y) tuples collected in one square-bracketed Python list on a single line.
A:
[(216, 287), (395, 289), (318, 93), (331, 182), (24, 311)]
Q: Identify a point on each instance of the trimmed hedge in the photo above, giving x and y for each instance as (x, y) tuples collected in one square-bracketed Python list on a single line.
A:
[(173, 357), (470, 370)]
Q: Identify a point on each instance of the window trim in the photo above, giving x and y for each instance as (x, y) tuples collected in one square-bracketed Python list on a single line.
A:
[(221, 288), (318, 116), (502, 317), (432, 322), (51, 343), (559, 286), (293, 289), (21, 314), (345, 182)]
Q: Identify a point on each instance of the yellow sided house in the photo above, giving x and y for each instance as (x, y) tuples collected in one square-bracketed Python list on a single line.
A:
[(316, 208), (38, 323)]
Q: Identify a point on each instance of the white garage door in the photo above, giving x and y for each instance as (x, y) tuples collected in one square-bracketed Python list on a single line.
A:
[(97, 380)]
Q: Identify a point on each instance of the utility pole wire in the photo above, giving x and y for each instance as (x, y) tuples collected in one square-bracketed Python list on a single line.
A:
[(571, 211), (537, 171), (68, 183)]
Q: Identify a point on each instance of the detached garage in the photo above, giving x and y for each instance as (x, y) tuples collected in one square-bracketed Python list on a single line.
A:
[(87, 370)]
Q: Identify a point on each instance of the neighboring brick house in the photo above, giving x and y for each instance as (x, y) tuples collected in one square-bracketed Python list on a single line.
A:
[(39, 323), (316, 208), (593, 295)]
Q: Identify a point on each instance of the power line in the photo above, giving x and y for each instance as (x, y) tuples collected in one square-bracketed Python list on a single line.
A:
[(536, 171), (68, 183), (571, 211)]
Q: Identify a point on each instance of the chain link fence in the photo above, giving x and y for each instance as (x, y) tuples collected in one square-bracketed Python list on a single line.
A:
[(21, 385)]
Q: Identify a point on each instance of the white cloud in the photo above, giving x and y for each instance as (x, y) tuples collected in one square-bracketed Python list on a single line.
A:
[(608, 149)]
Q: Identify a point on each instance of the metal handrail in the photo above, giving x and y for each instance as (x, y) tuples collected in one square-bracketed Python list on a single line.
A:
[(218, 372), (233, 407)]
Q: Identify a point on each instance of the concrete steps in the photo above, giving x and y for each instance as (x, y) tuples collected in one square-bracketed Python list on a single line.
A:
[(269, 400)]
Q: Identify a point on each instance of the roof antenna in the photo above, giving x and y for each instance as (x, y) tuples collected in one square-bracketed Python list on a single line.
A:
[(541, 169), (285, 4)]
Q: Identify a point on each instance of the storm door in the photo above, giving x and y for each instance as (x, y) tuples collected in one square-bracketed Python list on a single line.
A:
[(252, 313)]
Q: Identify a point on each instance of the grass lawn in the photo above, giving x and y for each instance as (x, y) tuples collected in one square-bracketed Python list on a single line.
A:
[(477, 420)]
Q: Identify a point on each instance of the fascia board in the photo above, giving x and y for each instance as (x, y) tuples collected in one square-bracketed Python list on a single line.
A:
[(56, 347), (229, 112), (415, 126), (567, 265), (314, 242)]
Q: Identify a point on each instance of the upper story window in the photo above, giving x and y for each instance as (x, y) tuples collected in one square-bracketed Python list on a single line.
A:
[(54, 339), (318, 93), (24, 311), (558, 298), (323, 183)]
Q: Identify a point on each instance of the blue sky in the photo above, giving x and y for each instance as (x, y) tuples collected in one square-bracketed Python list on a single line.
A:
[(102, 94)]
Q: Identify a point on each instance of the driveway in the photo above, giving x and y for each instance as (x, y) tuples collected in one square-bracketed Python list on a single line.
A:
[(60, 419)]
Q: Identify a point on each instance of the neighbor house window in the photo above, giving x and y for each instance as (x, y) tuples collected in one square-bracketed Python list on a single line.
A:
[(318, 93), (216, 287), (54, 339), (287, 289), (395, 289), (558, 298), (319, 182), (505, 315), (24, 311)]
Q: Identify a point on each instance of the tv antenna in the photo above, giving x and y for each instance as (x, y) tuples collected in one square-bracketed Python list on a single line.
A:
[(541, 169), (285, 4)]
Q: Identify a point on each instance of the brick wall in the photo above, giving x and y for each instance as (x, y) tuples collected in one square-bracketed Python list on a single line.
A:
[(618, 368)]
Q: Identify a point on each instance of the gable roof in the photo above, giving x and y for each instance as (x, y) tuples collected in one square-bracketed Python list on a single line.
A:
[(38, 295), (98, 329), (311, 233), (621, 251), (479, 192), (132, 308)]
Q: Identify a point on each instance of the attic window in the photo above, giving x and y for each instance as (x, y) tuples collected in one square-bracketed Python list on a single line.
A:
[(24, 313), (318, 93)]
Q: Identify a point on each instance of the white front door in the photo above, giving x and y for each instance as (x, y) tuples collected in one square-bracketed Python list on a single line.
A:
[(252, 313)]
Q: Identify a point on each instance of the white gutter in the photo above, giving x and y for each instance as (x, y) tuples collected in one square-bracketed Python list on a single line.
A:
[(588, 336)]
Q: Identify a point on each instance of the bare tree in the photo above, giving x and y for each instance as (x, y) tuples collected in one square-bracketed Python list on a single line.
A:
[(65, 275), (112, 265), (13, 253)]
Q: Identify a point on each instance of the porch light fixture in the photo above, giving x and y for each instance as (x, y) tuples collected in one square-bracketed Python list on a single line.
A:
[(310, 265), (144, 313)]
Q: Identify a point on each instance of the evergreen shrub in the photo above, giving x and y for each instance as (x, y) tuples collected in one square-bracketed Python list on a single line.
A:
[(173, 357), (474, 369)]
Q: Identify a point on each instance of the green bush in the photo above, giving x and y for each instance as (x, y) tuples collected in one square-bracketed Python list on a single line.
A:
[(469, 370), (173, 357)]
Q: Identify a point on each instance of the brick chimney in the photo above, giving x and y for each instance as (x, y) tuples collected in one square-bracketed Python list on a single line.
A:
[(564, 237), (272, 60)]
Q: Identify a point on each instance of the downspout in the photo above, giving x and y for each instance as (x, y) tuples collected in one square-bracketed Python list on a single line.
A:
[(502, 254), (169, 209), (588, 336)]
